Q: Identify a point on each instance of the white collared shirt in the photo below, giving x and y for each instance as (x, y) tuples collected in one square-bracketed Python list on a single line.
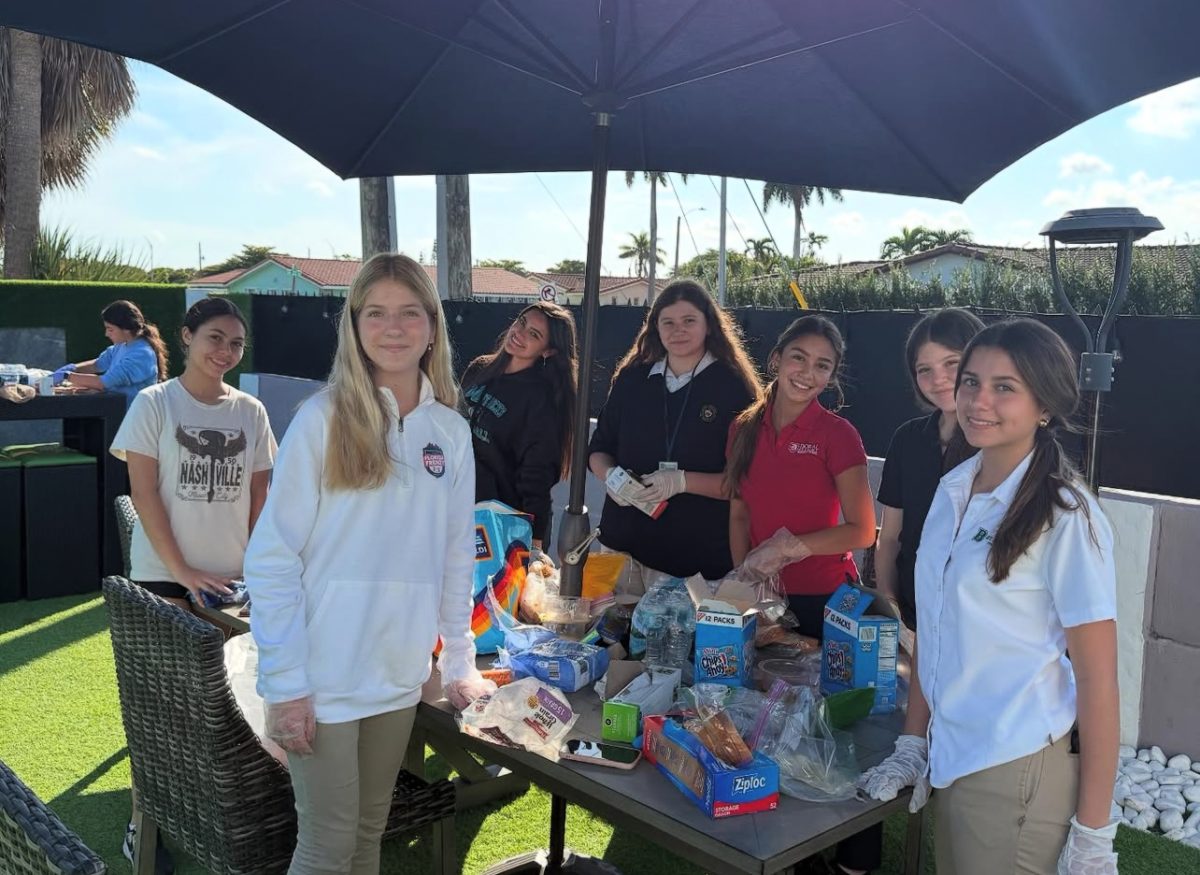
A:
[(674, 383), (992, 656)]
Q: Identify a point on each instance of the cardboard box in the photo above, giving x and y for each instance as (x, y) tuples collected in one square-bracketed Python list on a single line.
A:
[(715, 788), (623, 482), (860, 646), (633, 691), (726, 623)]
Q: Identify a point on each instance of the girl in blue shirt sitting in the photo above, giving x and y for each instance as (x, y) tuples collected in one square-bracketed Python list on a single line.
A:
[(136, 359)]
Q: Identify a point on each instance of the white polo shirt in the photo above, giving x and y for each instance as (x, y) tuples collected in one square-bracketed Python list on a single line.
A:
[(992, 657)]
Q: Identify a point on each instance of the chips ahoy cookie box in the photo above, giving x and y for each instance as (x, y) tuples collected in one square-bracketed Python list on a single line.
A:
[(860, 647)]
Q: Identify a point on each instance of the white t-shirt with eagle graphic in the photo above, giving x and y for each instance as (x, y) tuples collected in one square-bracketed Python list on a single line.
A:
[(206, 456)]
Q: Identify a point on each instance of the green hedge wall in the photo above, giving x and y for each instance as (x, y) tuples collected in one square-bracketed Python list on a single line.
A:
[(75, 307)]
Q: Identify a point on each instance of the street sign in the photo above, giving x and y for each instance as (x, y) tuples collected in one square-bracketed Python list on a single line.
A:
[(549, 293)]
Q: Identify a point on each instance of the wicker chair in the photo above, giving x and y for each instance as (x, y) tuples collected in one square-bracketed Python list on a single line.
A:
[(127, 517), (201, 774), (33, 841)]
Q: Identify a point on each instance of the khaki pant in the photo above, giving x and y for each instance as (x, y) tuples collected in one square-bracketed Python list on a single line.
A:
[(1011, 818), (344, 792)]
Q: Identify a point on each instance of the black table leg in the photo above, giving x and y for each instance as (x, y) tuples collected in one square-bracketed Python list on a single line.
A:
[(558, 834)]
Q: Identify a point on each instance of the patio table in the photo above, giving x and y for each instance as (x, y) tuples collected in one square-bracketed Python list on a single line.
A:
[(644, 802)]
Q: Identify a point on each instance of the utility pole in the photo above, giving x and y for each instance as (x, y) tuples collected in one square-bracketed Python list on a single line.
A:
[(721, 256), (377, 204), (651, 287), (454, 236), (678, 221)]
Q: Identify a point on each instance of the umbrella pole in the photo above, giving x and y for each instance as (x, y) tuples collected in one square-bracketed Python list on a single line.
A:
[(576, 525)]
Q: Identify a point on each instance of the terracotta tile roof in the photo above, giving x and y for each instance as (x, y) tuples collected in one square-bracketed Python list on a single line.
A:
[(573, 282), (1176, 256), (336, 273)]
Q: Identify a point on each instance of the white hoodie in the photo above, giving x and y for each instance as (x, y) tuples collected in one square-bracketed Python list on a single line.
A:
[(350, 589)]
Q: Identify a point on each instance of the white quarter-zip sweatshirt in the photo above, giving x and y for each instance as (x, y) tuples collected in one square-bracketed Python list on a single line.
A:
[(350, 589)]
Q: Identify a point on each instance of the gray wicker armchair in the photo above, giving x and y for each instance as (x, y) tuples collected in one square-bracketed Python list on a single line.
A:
[(127, 516), (33, 841), (201, 774)]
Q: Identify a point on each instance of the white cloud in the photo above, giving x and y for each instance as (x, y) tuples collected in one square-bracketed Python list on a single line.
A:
[(849, 223), (1173, 112), (1082, 164), (147, 152), (319, 187), (1175, 202)]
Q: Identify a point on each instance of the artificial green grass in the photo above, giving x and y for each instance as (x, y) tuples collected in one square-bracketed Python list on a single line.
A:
[(61, 732)]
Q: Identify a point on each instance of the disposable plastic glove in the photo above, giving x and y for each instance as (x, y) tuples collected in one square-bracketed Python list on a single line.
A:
[(905, 767), (292, 725), (536, 555), (640, 495), (1088, 851), (462, 693), (61, 374), (781, 549), (664, 485)]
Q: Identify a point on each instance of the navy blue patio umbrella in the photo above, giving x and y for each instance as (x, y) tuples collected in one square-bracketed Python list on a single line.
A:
[(915, 97)]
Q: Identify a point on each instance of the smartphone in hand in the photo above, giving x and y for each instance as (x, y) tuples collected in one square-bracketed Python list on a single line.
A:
[(600, 753), (238, 595)]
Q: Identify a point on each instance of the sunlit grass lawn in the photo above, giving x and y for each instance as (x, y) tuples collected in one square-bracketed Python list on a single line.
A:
[(60, 730)]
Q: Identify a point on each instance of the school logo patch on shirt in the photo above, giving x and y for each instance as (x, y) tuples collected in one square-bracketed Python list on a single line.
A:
[(982, 535), (708, 413), (434, 460), (800, 449)]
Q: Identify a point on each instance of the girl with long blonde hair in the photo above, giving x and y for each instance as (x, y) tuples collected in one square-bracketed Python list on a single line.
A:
[(362, 557)]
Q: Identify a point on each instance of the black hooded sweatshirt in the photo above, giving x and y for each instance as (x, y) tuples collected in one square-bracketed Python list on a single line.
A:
[(518, 448)]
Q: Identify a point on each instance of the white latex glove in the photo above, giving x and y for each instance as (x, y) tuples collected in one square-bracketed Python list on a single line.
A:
[(292, 725), (462, 693), (664, 485), (640, 496), (905, 767), (1088, 851), (781, 549)]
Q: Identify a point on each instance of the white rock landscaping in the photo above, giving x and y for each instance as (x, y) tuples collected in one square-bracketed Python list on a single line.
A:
[(1153, 792)]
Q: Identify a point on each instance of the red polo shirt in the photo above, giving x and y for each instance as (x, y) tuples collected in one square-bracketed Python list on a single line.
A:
[(790, 485)]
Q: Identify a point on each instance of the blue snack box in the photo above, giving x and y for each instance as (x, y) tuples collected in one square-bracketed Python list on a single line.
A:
[(726, 624), (860, 647)]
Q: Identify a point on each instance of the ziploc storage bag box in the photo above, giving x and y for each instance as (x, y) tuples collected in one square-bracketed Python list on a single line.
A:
[(715, 788), (502, 539), (633, 691), (726, 623), (860, 647)]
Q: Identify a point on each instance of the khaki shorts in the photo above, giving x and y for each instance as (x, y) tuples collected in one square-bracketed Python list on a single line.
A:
[(1011, 818)]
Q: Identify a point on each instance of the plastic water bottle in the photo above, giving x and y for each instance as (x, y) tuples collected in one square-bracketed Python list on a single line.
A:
[(13, 374), (663, 624)]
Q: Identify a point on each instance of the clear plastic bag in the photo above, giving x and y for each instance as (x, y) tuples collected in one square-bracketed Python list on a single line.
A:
[(524, 714), (816, 762)]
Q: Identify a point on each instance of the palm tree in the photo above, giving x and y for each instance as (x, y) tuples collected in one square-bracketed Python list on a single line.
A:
[(59, 101), (939, 237), (655, 178), (816, 241), (638, 248), (908, 242), (510, 264), (799, 196), (762, 251)]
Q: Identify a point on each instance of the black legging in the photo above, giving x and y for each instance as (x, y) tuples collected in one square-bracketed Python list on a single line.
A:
[(863, 850)]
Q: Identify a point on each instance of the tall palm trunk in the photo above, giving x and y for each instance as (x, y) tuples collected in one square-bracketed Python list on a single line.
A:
[(22, 153), (650, 287), (456, 259), (798, 232)]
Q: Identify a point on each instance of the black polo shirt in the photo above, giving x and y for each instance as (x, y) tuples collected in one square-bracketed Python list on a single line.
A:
[(911, 472), (635, 426)]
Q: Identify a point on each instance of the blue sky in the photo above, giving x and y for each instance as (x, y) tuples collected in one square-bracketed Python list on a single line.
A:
[(186, 171)]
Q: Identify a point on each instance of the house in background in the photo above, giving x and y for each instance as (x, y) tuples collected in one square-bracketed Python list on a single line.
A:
[(946, 262), (312, 277), (568, 288)]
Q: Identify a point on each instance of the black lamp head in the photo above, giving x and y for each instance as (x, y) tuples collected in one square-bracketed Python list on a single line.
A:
[(1101, 225)]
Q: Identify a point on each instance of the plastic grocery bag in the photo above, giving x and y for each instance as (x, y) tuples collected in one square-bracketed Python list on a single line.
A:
[(525, 714)]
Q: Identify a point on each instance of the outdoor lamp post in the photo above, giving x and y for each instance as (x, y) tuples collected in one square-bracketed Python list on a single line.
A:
[(1121, 226)]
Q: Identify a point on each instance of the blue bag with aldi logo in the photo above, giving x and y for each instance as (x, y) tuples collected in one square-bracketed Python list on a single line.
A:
[(502, 540)]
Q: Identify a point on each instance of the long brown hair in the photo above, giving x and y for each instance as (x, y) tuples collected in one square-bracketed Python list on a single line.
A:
[(749, 421), (126, 316), (560, 370), (952, 328), (724, 338), (1045, 364)]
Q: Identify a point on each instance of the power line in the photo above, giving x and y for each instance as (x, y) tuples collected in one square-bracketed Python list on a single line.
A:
[(761, 216), (567, 216), (683, 213), (745, 245)]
